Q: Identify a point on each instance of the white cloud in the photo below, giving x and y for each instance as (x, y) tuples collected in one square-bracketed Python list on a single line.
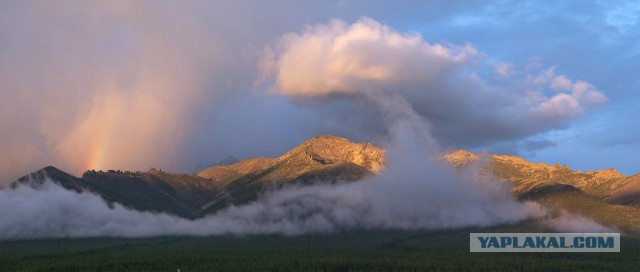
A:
[(443, 83), (343, 58), (568, 222), (503, 69), (559, 106), (561, 83), (572, 99)]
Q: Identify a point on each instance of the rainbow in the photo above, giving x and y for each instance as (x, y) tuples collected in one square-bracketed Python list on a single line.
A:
[(99, 148)]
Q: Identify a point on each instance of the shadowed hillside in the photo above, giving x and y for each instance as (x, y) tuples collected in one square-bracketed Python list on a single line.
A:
[(605, 196), (153, 191), (629, 193), (321, 159)]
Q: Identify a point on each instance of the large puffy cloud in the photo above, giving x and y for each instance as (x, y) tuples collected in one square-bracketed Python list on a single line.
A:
[(451, 85), (345, 58)]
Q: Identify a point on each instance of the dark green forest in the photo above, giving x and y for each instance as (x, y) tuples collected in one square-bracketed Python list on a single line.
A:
[(349, 251)]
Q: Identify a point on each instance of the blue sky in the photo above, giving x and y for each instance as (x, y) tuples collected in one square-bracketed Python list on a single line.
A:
[(598, 41), (177, 85), (595, 41)]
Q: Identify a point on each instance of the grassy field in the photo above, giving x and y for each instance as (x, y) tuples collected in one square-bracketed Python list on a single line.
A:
[(353, 251)]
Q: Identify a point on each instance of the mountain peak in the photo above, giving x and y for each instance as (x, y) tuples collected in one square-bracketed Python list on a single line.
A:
[(328, 149), (229, 160), (49, 168), (527, 174), (56, 175), (325, 139), (610, 173), (459, 157), (324, 156), (49, 171)]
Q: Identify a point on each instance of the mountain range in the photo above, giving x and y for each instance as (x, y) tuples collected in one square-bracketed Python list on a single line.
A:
[(606, 196)]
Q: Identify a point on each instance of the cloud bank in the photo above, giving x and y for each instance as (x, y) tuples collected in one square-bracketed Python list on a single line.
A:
[(465, 97), (414, 203), (402, 198), (567, 222)]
